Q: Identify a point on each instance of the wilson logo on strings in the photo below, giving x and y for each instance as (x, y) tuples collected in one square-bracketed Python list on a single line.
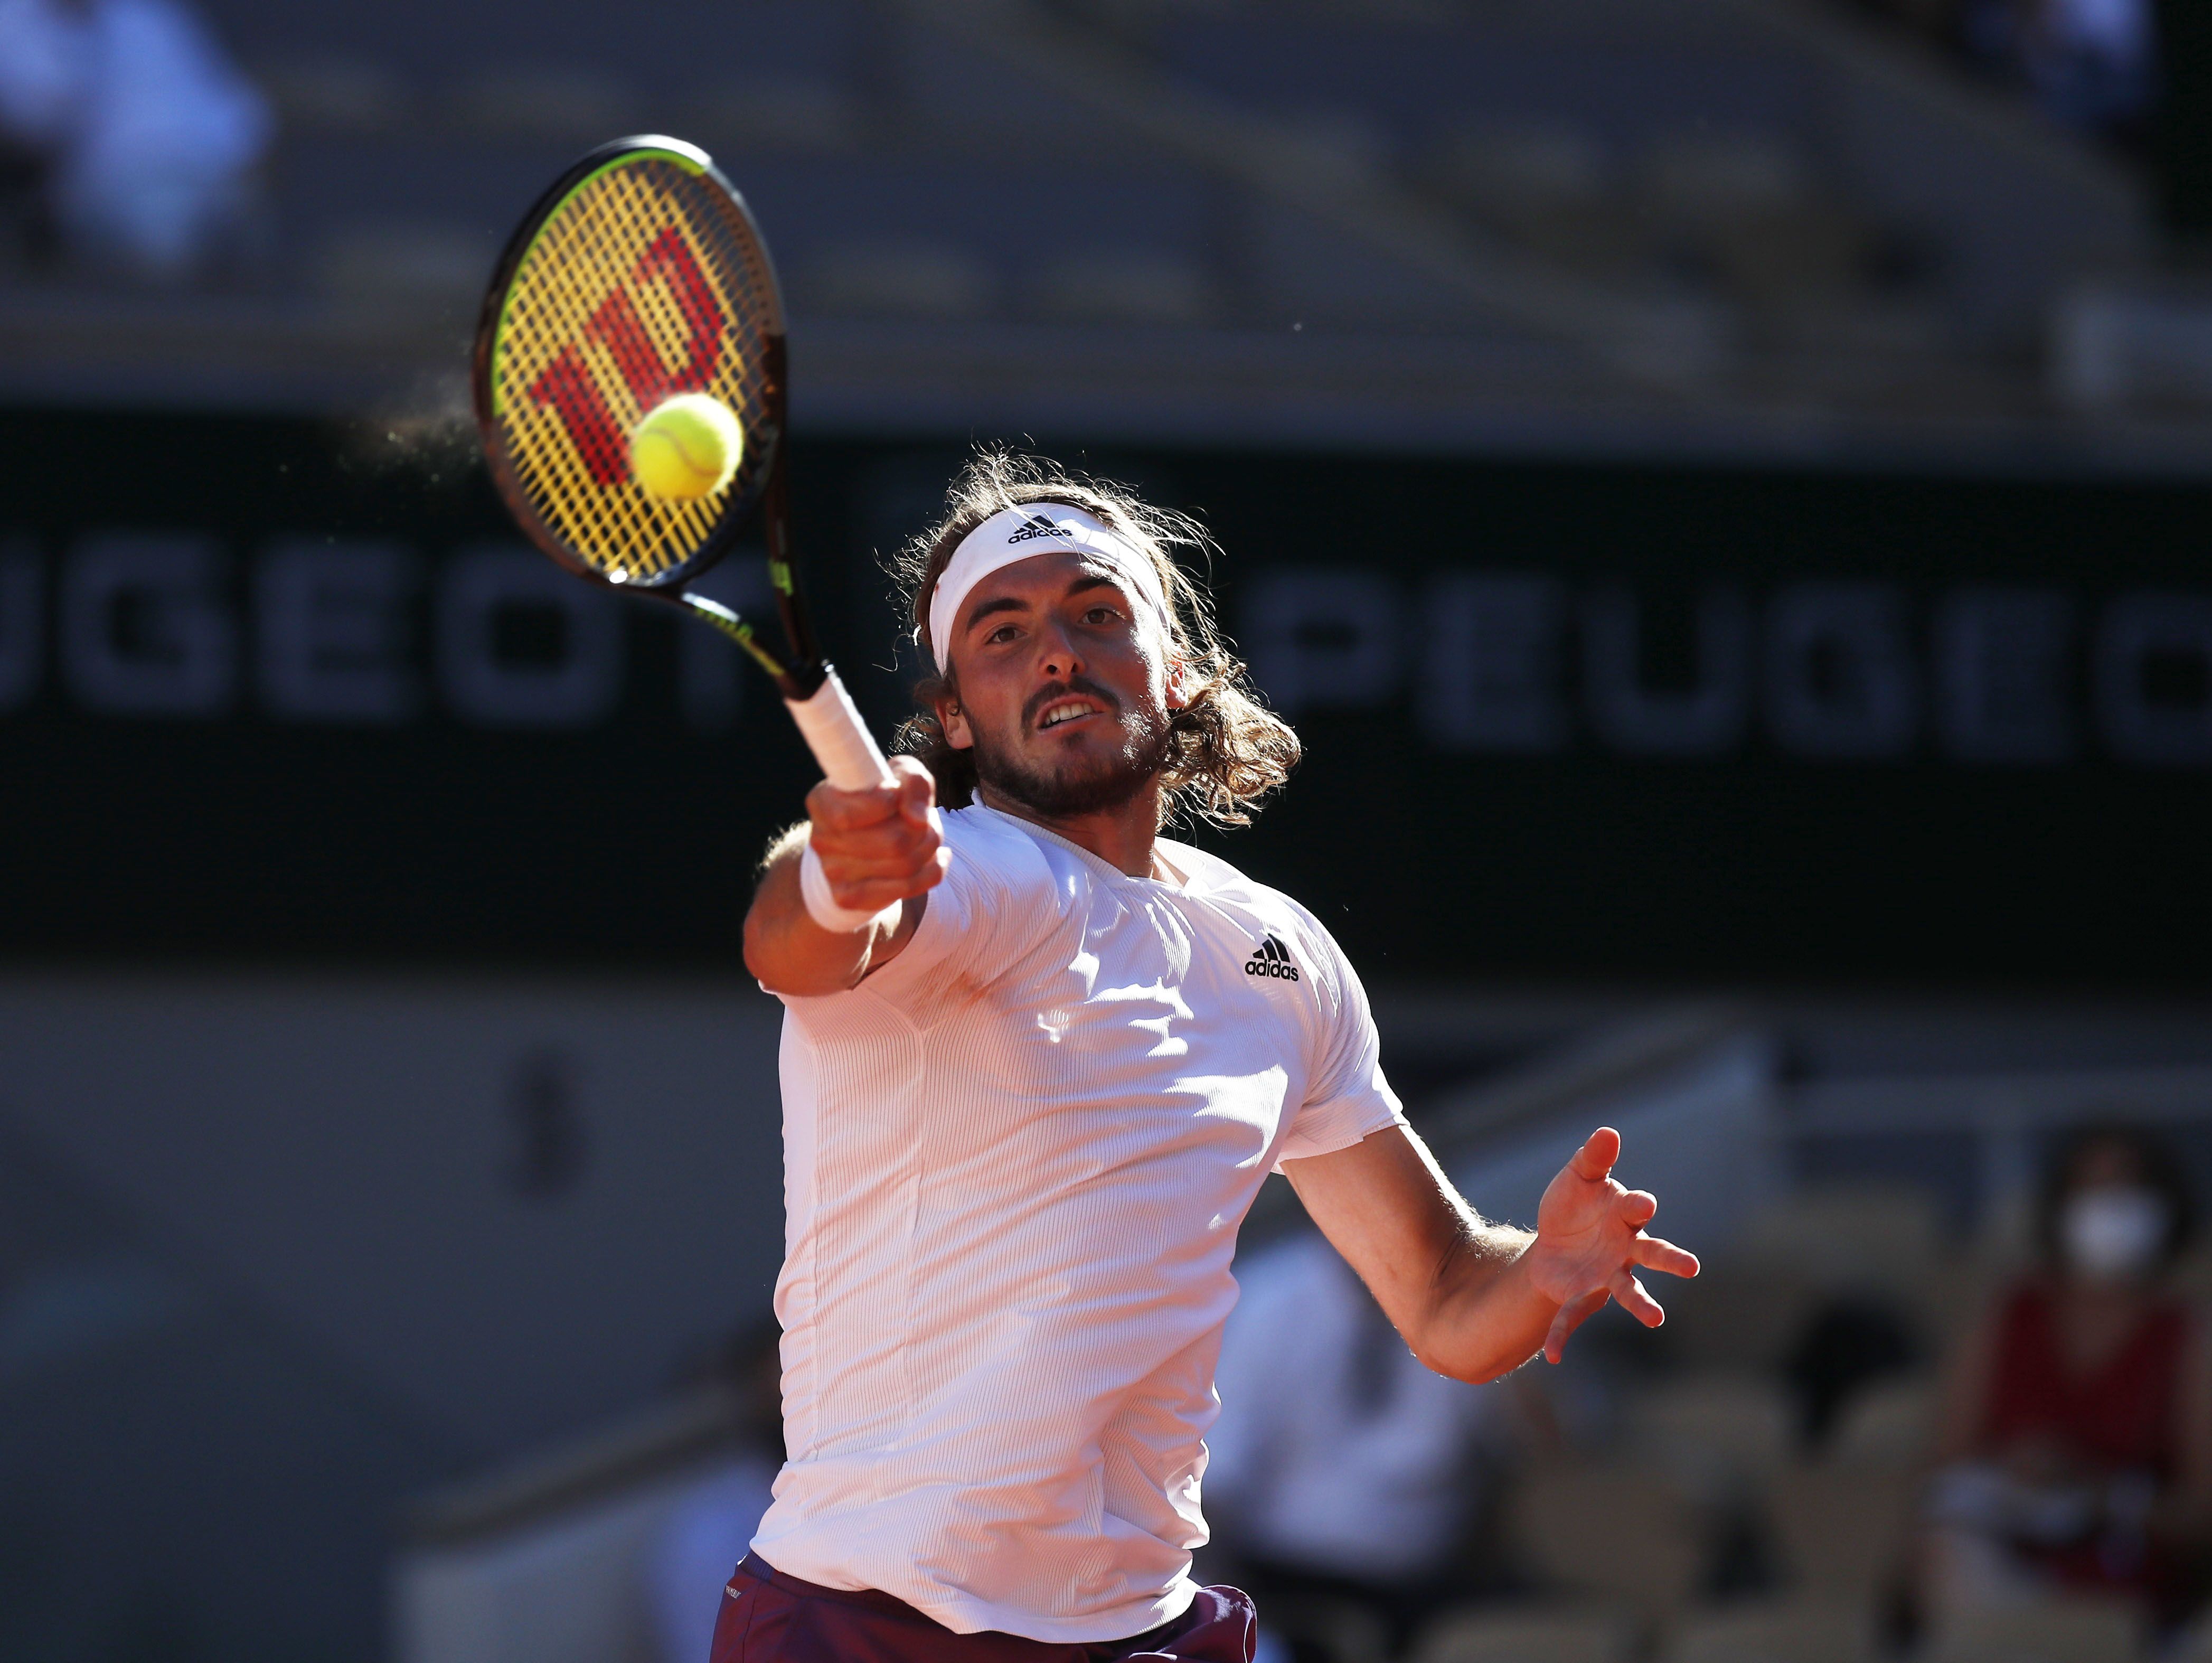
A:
[(569, 386)]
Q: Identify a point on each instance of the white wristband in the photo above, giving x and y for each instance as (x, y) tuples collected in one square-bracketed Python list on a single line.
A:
[(821, 906)]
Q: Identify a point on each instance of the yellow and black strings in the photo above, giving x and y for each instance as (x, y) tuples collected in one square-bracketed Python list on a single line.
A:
[(640, 285)]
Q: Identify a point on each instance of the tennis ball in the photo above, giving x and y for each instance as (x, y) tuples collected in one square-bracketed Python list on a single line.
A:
[(687, 447)]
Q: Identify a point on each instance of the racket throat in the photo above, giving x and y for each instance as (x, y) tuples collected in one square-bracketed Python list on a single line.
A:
[(794, 683), (775, 522)]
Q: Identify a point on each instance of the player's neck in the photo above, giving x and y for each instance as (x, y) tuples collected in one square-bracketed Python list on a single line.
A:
[(1121, 836)]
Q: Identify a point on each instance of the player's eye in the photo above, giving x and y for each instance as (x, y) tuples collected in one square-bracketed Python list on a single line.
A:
[(1100, 615), (1004, 633)]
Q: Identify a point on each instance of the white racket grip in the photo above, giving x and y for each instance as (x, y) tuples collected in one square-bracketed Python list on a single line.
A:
[(839, 739)]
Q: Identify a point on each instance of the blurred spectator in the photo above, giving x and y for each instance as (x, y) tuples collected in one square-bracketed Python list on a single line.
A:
[(145, 135), (687, 1562), (1849, 1343), (1341, 1470), (2090, 63), (2077, 1444)]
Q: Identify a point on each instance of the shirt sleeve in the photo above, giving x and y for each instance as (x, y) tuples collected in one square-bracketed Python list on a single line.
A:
[(948, 920), (1347, 1098), (948, 927), (995, 892)]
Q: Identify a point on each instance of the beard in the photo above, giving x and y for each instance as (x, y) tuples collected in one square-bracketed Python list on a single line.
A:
[(1077, 787)]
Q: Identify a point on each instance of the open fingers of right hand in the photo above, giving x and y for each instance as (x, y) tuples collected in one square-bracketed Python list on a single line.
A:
[(1636, 1207), (1653, 1254), (1571, 1317), (1599, 1151), (1636, 1300)]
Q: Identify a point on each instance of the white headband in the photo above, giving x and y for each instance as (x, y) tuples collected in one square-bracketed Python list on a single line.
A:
[(1016, 533)]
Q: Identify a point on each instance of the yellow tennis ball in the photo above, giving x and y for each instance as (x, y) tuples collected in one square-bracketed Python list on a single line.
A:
[(687, 448)]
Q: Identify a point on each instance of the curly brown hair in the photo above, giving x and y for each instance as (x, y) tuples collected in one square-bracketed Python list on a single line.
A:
[(1224, 751)]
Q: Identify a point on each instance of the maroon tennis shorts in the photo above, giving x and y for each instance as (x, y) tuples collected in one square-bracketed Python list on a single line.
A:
[(769, 1617)]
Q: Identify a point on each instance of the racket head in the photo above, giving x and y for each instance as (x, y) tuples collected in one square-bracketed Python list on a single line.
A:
[(638, 275)]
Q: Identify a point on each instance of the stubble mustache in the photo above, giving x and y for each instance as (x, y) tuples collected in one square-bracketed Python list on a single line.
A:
[(1119, 778), (1036, 704)]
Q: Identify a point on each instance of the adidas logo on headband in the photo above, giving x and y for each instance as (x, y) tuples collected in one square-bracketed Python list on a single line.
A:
[(999, 542), (1034, 525)]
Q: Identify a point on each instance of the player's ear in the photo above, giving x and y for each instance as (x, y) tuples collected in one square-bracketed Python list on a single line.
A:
[(944, 695), (1180, 683), (952, 721)]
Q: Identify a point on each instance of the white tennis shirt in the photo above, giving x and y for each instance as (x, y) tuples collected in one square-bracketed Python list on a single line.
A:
[(1016, 1158)]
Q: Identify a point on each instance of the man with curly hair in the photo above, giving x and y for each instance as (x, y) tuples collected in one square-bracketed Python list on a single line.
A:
[(1037, 1059)]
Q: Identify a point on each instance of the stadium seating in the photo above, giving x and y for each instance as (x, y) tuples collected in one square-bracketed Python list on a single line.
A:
[(1889, 1423), (2194, 1643), (1523, 186), (1705, 1480), (1608, 1533), (1789, 1632), (1740, 1314), (1524, 1637), (1840, 1530), (1886, 1237), (1716, 1435), (2041, 1631)]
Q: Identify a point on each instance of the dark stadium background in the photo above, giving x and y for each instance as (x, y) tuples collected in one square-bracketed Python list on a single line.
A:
[(1722, 488), (622, 840)]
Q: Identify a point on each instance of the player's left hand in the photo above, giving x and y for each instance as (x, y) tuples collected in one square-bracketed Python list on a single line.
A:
[(1590, 1242)]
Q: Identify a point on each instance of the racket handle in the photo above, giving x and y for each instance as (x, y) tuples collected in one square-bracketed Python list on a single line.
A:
[(840, 740)]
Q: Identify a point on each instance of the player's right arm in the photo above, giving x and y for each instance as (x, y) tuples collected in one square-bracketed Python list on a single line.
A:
[(1475, 1299), (881, 847)]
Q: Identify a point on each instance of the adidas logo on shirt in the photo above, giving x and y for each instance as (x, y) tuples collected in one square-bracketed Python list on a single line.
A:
[(1036, 526), (1271, 958)]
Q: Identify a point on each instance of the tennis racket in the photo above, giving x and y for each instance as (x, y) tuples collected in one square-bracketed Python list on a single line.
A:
[(640, 275)]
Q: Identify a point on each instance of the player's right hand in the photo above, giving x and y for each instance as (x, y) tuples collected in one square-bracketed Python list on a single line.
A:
[(881, 844), (1590, 1242)]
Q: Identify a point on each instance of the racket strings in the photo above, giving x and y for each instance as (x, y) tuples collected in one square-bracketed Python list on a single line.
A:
[(644, 284)]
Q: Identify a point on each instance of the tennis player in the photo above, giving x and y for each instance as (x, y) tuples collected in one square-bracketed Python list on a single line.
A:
[(1036, 1060)]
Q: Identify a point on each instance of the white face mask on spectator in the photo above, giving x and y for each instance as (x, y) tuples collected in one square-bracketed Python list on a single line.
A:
[(2109, 1235)]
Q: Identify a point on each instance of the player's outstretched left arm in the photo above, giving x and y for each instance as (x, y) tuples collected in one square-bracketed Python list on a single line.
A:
[(1473, 1299)]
